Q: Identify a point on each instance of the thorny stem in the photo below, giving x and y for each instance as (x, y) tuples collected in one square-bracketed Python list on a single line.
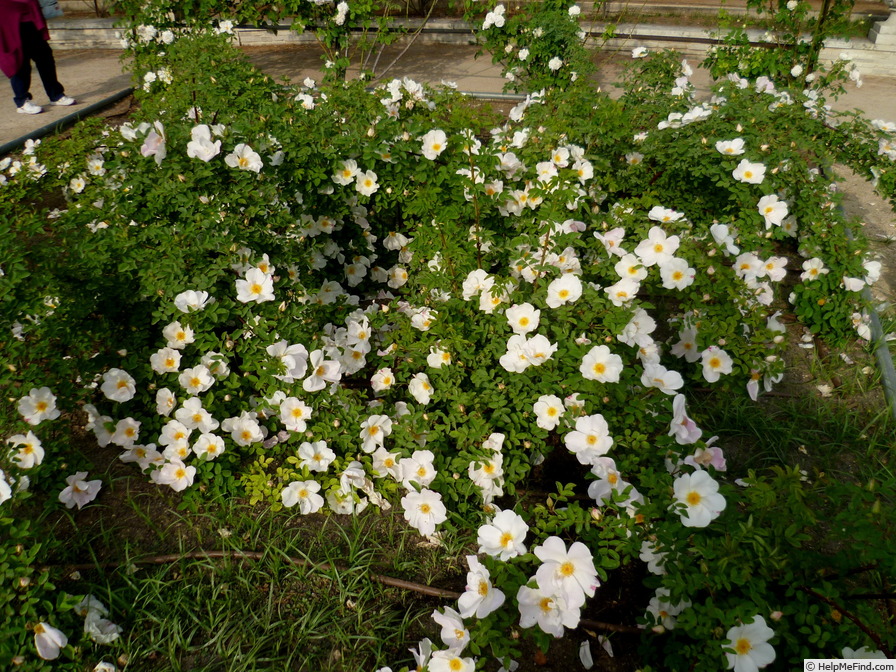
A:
[(818, 36), (423, 589), (378, 55), (544, 254), (409, 44), (545, 494), (861, 569), (612, 627), (195, 107), (256, 555), (476, 210), (878, 642), (889, 601), (448, 258), (365, 50)]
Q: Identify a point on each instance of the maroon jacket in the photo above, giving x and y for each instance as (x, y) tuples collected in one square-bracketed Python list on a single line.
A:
[(13, 13)]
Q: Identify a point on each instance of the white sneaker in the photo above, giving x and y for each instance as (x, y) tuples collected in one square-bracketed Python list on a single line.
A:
[(65, 101), (29, 108)]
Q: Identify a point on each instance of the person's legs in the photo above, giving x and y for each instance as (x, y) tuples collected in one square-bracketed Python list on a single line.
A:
[(21, 84), (37, 50)]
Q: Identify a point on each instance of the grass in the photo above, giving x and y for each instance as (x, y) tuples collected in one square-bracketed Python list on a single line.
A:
[(266, 613), (848, 431), (798, 430), (256, 615)]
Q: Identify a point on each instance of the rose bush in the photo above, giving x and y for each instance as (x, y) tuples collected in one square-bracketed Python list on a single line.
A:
[(328, 298)]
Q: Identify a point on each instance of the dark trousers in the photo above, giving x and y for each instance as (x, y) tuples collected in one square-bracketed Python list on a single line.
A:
[(36, 49)]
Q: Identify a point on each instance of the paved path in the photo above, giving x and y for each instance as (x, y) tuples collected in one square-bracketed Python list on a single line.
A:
[(89, 76)]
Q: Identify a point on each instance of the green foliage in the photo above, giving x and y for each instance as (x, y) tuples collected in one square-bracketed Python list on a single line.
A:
[(789, 50), (540, 45), (27, 595), (797, 547)]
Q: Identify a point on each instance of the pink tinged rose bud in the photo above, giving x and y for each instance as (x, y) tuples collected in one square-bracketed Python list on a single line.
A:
[(154, 145), (682, 427)]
